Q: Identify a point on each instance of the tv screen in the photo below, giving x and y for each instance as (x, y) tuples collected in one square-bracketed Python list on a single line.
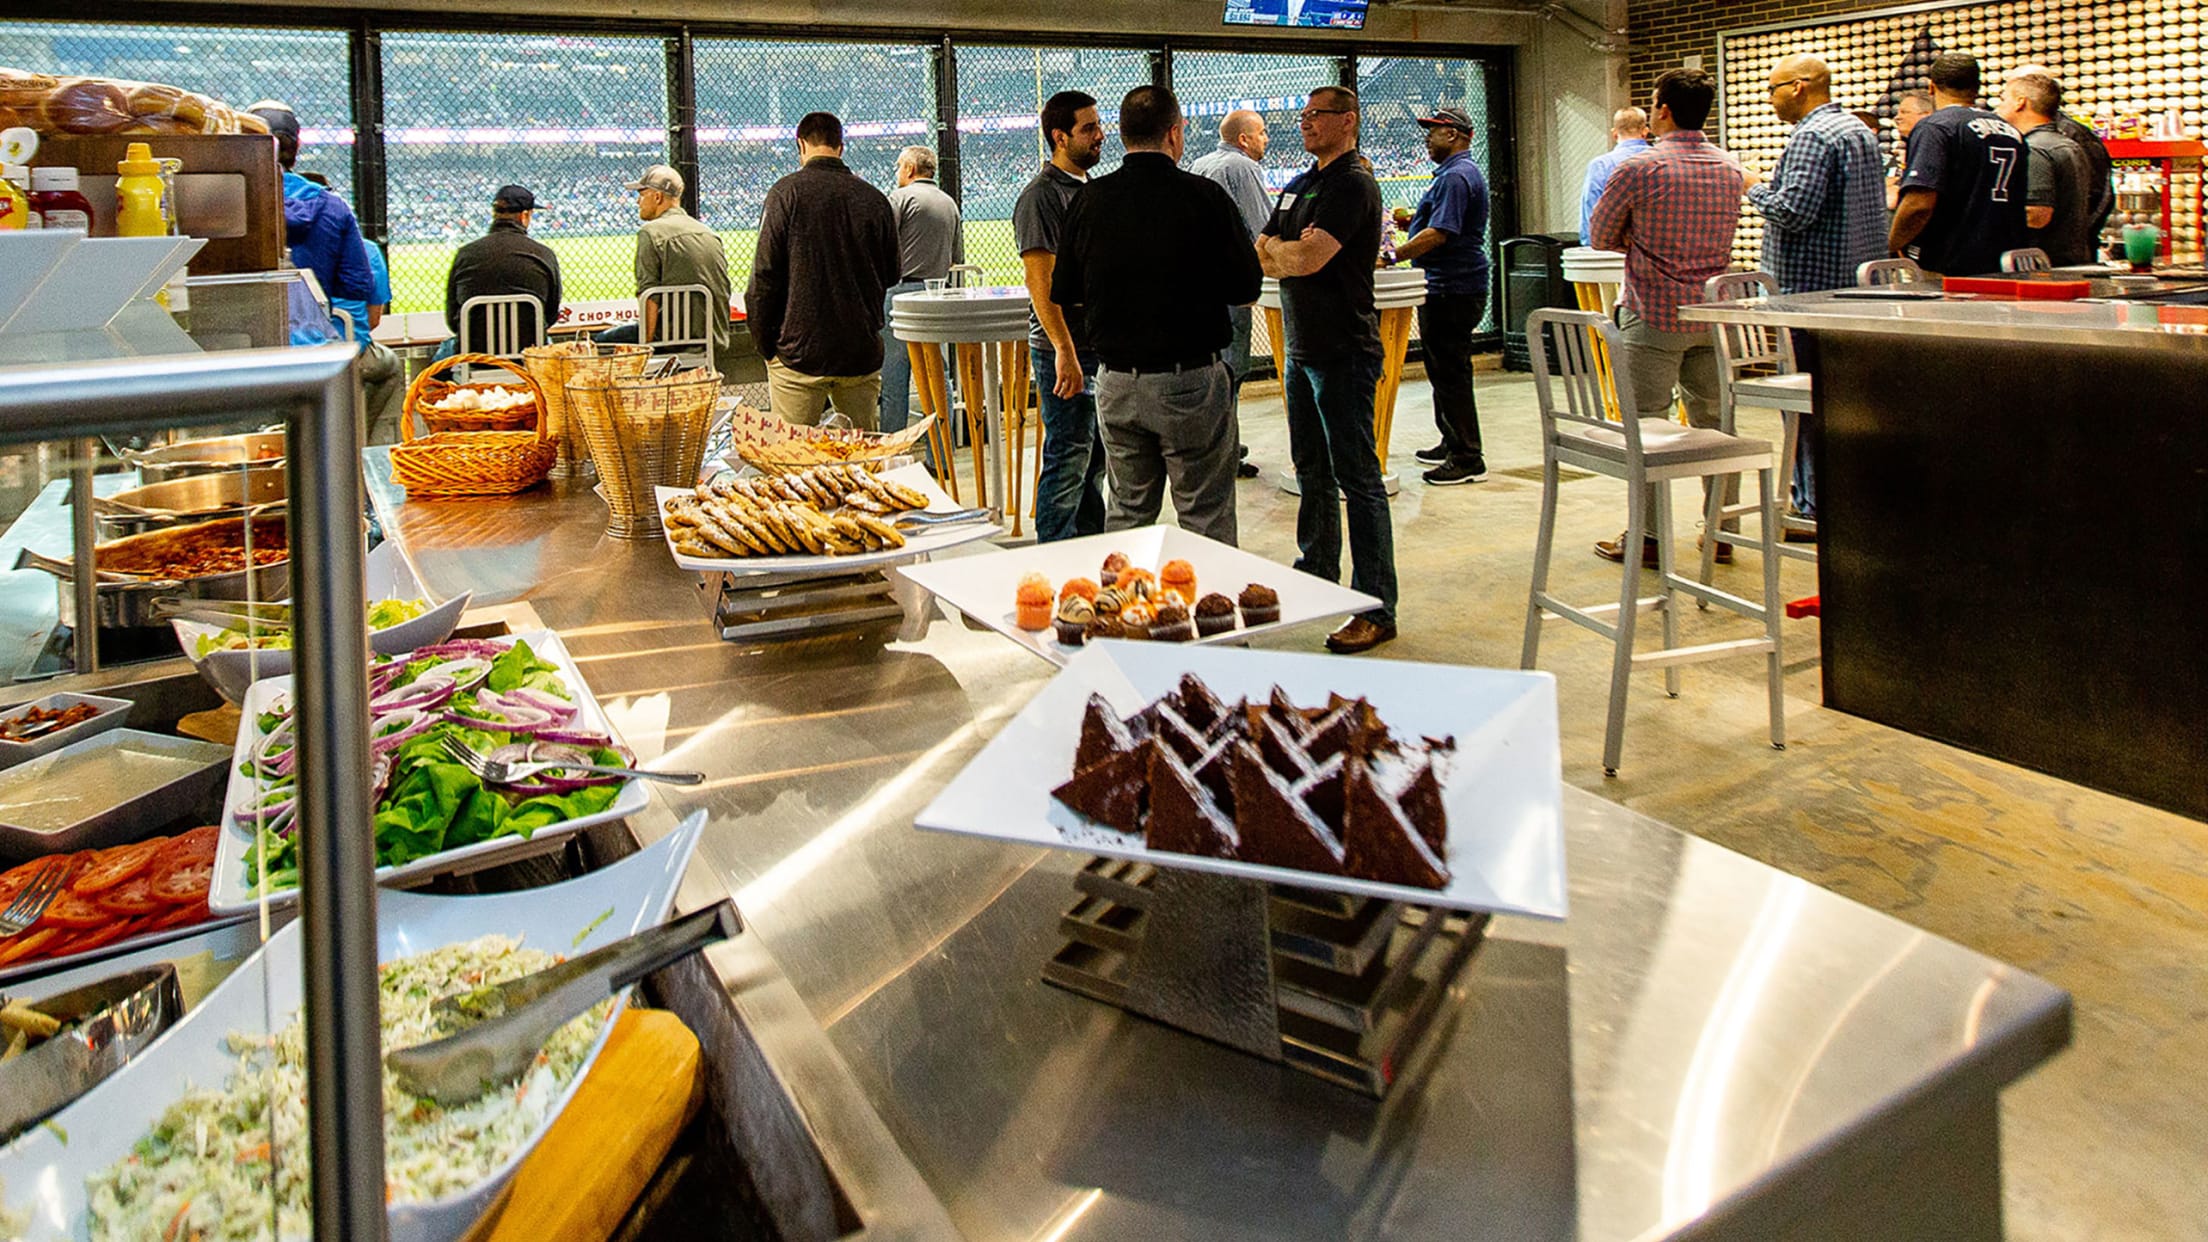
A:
[(1328, 14)]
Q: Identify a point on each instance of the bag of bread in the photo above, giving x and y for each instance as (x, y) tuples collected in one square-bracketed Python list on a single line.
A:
[(54, 105)]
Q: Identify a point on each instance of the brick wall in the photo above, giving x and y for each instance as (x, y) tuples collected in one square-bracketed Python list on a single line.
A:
[(1665, 32)]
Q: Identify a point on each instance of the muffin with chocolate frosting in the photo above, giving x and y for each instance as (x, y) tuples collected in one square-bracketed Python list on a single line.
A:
[(1260, 604), (1172, 624), (1214, 614), (1072, 621)]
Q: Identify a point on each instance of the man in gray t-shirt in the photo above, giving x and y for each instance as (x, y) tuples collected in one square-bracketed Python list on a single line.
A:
[(2059, 197), (1069, 497), (927, 243), (1236, 166)]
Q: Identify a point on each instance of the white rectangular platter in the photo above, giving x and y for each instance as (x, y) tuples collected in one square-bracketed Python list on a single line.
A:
[(44, 1170), (230, 894), (917, 544), (1503, 789), (982, 586)]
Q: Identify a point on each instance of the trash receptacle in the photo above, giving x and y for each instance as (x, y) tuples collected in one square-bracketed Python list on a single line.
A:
[(1532, 270)]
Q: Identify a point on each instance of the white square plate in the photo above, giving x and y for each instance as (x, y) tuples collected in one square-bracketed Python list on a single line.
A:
[(1503, 788), (44, 1171), (230, 894), (982, 586), (916, 545)]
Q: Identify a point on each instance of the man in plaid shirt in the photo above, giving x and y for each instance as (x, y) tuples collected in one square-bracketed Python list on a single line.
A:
[(1672, 211), (1824, 210)]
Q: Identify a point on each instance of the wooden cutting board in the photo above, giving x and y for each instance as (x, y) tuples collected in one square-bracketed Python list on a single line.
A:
[(609, 1141)]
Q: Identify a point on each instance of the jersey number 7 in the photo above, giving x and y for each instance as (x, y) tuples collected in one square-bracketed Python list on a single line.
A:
[(2004, 167)]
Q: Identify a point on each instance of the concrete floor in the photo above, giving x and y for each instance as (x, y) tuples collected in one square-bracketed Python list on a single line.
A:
[(2104, 897)]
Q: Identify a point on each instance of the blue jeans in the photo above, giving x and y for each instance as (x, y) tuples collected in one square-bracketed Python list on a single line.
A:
[(446, 350), (1069, 497), (1330, 439), (896, 365)]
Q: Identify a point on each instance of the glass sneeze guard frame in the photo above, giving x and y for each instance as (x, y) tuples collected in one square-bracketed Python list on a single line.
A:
[(319, 389)]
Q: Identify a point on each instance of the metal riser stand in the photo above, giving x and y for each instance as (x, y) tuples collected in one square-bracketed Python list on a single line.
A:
[(1339, 987), (754, 607)]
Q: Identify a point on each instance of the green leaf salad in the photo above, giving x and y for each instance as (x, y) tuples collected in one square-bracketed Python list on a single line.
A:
[(382, 615)]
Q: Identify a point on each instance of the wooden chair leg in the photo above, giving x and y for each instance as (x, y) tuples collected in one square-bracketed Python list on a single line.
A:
[(1015, 429), (970, 389), (927, 368), (1034, 482)]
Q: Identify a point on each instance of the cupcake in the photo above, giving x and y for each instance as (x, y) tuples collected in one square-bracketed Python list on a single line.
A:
[(1077, 586), (1179, 577), (1214, 614), (1141, 580), (1074, 615), (1113, 566), (1105, 625), (1260, 605), (1137, 617), (1109, 601), (1172, 624), (1031, 603)]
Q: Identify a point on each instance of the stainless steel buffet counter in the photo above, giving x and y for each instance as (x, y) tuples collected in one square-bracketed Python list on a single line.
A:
[(1707, 1048)]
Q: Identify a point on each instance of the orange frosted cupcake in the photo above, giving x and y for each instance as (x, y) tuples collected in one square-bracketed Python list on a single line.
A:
[(1129, 577), (1136, 618), (1179, 577), (1031, 604), (1077, 586)]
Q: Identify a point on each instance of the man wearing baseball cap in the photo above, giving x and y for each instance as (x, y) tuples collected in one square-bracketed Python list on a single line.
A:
[(505, 261), (1449, 243), (675, 248)]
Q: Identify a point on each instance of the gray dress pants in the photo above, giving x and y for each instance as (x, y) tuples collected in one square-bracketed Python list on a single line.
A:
[(1169, 427)]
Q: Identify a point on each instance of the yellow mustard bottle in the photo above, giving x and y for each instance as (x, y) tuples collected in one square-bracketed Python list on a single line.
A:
[(139, 191), (15, 205)]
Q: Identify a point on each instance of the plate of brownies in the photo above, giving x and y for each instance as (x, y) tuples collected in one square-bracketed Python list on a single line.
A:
[(1438, 785), (1153, 583)]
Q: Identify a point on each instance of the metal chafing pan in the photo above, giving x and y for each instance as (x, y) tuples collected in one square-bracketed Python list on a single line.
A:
[(212, 455), (126, 600), (105, 1024), (187, 500)]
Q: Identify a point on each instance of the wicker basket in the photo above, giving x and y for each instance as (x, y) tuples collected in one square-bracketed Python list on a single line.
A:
[(772, 446), (473, 463), (554, 365), (428, 388), (643, 433)]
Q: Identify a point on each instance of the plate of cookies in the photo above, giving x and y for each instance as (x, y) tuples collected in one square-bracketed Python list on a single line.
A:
[(1154, 583), (824, 519)]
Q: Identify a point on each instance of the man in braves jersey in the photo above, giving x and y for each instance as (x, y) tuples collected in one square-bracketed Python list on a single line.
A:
[(1964, 194)]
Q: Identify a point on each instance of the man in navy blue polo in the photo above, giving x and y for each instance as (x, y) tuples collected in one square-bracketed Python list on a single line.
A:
[(1449, 243)]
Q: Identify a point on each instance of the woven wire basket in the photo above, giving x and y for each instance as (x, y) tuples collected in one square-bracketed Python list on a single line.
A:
[(553, 366), (643, 433)]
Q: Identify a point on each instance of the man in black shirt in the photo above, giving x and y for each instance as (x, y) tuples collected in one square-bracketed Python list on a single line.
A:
[(1155, 257), (505, 260), (1963, 197), (1323, 242), (827, 249), (1069, 492)]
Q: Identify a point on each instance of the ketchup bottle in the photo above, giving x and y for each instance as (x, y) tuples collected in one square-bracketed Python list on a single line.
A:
[(57, 201)]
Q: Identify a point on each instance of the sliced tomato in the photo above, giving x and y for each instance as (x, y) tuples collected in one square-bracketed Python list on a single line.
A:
[(185, 867), (30, 945), (95, 937), (178, 916), (133, 897), (76, 910), (110, 867), (12, 883)]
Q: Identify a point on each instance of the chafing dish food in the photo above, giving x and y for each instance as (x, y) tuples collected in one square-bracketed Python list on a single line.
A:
[(184, 501), (35, 720), (62, 1046), (197, 551)]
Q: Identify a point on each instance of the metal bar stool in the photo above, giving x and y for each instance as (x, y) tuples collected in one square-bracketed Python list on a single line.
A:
[(1879, 272), (502, 318), (681, 325), (2028, 259), (1777, 385), (1646, 453)]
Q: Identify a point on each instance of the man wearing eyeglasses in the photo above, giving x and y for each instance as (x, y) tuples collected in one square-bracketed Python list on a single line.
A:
[(1322, 243), (1824, 211)]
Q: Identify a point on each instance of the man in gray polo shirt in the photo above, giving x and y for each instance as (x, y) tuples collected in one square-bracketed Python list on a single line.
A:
[(927, 236), (675, 248), (1236, 166)]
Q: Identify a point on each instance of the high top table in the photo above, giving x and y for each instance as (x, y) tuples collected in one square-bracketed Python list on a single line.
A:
[(1397, 293), (969, 321)]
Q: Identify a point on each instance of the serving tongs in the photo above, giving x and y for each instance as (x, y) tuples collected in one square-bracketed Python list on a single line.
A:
[(511, 1021), (228, 613), (103, 1026), (921, 519)]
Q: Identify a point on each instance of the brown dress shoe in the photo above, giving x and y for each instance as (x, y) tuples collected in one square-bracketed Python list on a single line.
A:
[(1358, 634), (1724, 550), (1614, 550)]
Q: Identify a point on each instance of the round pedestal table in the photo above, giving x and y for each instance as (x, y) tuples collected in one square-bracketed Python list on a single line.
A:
[(1597, 277), (1397, 293), (985, 332)]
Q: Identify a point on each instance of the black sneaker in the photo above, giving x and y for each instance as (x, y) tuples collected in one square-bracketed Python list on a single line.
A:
[(1451, 473), (1246, 470), (1241, 452), (1433, 456)]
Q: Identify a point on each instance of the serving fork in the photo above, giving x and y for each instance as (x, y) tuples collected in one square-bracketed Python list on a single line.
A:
[(30, 905), (500, 772)]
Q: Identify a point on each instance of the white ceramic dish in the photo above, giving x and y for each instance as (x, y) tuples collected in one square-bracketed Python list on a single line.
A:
[(111, 715), (192, 770), (1503, 789), (45, 1174), (982, 586), (388, 577), (916, 545), (44, 967), (231, 894)]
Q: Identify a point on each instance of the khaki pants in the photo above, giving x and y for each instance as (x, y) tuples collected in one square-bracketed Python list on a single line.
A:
[(796, 397)]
